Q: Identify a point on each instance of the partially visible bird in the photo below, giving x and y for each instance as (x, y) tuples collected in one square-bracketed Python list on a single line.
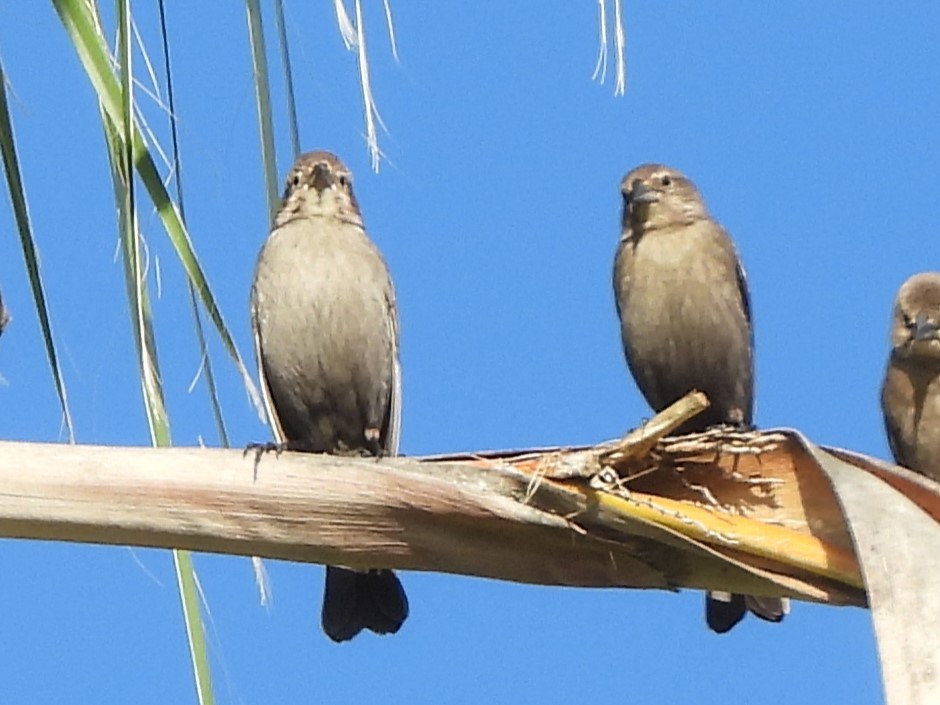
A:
[(685, 320), (910, 395), (326, 338)]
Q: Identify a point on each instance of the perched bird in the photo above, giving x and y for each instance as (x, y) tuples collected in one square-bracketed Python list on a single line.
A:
[(685, 320), (326, 338), (910, 396)]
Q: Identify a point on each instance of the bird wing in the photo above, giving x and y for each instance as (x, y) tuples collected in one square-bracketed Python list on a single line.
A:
[(393, 432), (893, 429), (745, 301), (897, 450), (741, 277), (745, 296), (273, 420), (620, 269)]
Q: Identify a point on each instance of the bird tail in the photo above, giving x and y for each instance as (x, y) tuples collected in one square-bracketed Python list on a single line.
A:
[(353, 601), (771, 609), (723, 609)]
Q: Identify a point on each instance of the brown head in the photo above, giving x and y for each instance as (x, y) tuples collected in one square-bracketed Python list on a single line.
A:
[(319, 185), (657, 196), (915, 330)]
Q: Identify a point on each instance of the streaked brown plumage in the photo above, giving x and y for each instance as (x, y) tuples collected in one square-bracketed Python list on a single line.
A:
[(326, 337), (910, 395), (685, 320)]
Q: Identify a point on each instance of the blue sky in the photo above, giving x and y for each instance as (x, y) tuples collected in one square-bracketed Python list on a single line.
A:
[(810, 131)]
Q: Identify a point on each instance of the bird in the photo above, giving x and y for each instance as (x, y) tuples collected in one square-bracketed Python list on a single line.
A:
[(910, 394), (685, 321), (325, 326)]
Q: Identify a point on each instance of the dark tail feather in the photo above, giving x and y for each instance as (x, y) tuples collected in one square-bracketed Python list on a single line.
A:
[(723, 610), (354, 601)]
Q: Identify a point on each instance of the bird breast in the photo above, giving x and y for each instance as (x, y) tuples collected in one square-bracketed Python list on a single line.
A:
[(331, 323)]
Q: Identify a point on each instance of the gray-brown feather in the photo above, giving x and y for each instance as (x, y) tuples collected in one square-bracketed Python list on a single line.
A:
[(910, 394), (327, 343), (685, 321), (326, 338), (910, 400)]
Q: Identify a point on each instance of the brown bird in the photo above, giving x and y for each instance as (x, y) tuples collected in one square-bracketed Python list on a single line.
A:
[(326, 338), (685, 320), (910, 396)]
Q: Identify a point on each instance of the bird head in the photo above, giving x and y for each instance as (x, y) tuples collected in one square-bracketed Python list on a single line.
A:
[(656, 196), (319, 185), (916, 328)]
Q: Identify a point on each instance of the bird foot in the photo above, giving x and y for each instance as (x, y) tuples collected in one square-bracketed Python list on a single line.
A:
[(260, 449)]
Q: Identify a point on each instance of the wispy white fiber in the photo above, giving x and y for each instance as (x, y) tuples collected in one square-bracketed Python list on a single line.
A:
[(600, 68), (354, 38), (621, 86)]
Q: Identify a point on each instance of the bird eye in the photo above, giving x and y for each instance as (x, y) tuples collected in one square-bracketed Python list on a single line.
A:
[(293, 182), (666, 180), (343, 180)]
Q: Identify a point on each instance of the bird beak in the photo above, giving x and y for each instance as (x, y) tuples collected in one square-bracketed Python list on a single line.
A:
[(322, 178), (924, 328), (642, 193)]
